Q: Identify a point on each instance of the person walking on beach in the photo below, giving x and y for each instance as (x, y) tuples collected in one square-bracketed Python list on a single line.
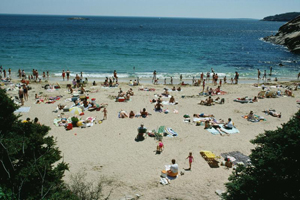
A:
[(44, 75), (68, 74), (154, 76), (258, 74), (21, 95), (207, 76), (191, 159), (25, 92), (63, 75), (236, 78), (265, 74), (104, 114), (36, 75)]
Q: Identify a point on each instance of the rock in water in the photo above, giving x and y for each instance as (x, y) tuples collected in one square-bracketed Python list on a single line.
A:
[(288, 35)]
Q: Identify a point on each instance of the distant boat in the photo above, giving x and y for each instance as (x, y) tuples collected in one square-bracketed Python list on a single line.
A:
[(141, 26), (78, 18)]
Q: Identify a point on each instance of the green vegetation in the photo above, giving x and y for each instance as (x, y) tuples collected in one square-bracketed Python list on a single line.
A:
[(30, 165), (275, 171)]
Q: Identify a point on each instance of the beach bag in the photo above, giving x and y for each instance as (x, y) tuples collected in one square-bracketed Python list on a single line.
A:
[(69, 126)]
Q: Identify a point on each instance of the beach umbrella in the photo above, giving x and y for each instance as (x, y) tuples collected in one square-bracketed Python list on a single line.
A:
[(75, 110)]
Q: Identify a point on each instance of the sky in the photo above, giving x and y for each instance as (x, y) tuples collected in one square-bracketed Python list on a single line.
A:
[(256, 9)]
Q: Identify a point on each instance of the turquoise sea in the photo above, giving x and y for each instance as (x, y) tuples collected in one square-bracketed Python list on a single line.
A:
[(135, 46)]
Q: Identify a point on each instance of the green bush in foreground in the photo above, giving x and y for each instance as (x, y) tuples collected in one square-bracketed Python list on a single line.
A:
[(275, 170), (29, 164)]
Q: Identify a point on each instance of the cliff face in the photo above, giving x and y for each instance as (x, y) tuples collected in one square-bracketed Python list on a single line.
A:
[(282, 17), (288, 35)]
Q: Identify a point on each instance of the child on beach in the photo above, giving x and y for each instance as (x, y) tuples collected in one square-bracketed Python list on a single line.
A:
[(160, 146), (105, 113), (191, 159)]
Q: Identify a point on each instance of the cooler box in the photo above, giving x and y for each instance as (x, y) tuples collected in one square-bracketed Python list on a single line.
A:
[(121, 99)]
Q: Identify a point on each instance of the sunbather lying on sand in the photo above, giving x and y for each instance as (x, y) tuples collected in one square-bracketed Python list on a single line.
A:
[(123, 114), (203, 115), (273, 113), (211, 124)]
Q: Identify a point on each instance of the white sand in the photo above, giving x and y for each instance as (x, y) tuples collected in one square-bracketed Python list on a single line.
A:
[(109, 149)]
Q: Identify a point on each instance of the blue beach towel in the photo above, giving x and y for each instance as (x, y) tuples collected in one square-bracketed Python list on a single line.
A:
[(23, 109)]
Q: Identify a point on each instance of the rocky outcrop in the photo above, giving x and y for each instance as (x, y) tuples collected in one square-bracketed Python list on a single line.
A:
[(282, 17), (288, 35)]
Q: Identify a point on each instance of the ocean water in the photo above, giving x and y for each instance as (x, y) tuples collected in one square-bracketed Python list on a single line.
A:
[(136, 46)]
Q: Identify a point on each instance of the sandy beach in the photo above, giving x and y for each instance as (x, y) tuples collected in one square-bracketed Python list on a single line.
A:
[(109, 149)]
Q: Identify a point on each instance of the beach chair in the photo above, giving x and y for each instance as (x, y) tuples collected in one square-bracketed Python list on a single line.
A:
[(210, 158)]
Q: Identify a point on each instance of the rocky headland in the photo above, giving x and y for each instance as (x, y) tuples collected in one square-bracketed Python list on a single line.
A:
[(285, 17), (288, 35)]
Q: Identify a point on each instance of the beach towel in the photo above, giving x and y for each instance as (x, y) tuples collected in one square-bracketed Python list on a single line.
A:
[(213, 131), (257, 118), (167, 103), (239, 157), (230, 131), (195, 119), (161, 130), (157, 96), (171, 132), (22, 109)]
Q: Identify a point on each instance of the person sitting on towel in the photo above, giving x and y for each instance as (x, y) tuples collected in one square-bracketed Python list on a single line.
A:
[(173, 172), (158, 107), (172, 99), (229, 124)]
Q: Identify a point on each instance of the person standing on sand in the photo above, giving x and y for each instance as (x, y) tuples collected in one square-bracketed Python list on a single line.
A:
[(236, 78), (4, 73), (63, 75), (104, 114), (154, 76), (171, 81), (258, 74), (191, 159), (203, 85), (201, 76), (9, 72), (271, 71), (81, 74), (21, 95), (36, 75), (207, 76), (265, 74), (180, 77), (47, 74), (68, 74)]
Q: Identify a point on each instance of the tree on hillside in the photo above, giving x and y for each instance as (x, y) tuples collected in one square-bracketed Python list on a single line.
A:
[(29, 160), (275, 169)]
